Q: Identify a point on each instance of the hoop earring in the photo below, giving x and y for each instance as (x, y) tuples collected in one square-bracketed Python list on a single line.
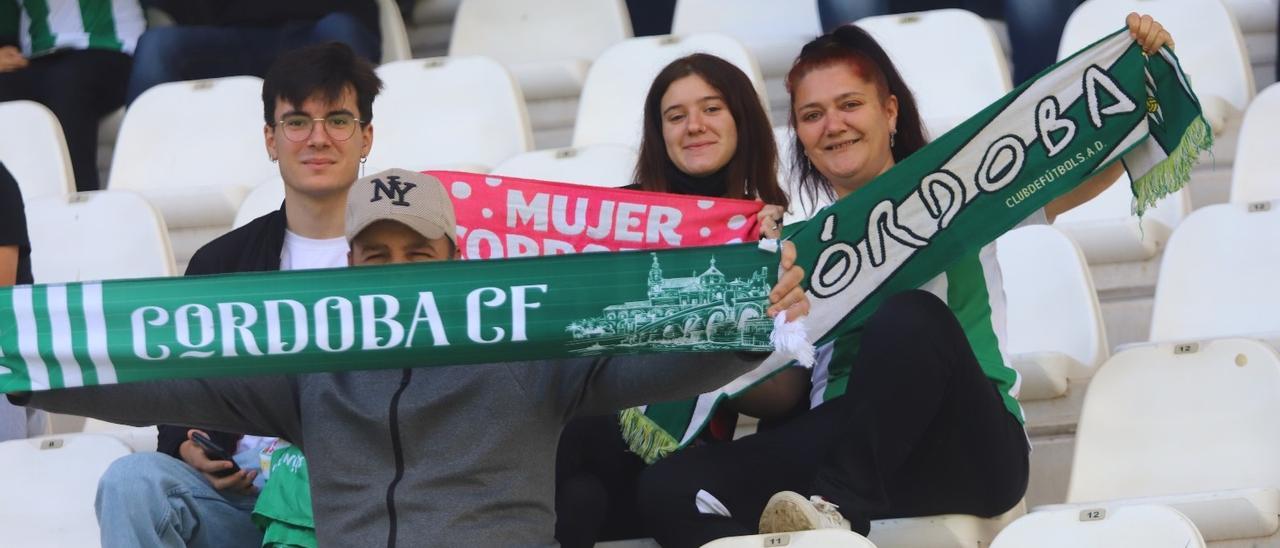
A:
[(363, 159)]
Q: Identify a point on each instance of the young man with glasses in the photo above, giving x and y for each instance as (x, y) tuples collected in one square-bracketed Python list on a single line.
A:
[(178, 498)]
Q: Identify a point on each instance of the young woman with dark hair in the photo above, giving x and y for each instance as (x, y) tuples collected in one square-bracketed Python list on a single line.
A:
[(706, 134), (922, 419)]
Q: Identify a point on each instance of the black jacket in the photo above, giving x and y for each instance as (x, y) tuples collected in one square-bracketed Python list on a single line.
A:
[(254, 247)]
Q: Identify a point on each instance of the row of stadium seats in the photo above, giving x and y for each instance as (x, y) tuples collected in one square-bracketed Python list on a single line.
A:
[(467, 112), (1177, 447), (1215, 282), (1183, 427), (551, 65), (198, 198)]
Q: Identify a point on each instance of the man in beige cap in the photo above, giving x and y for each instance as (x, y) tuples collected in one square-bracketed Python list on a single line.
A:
[(399, 216)]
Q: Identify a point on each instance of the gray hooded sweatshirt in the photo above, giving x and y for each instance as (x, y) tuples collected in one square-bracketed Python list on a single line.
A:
[(439, 456)]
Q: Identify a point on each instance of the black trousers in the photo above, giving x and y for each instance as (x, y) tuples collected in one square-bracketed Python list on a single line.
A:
[(920, 431), (80, 87), (596, 479)]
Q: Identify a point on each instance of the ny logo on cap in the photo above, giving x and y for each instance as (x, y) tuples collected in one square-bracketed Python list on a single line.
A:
[(393, 189)]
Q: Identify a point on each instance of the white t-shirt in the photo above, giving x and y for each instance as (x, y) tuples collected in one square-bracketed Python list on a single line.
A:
[(298, 253), (302, 253)]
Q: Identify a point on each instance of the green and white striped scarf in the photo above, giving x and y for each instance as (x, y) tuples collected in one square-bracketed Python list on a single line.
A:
[(1107, 102)]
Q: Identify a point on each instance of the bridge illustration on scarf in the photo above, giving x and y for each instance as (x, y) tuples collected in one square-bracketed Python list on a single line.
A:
[(703, 312)]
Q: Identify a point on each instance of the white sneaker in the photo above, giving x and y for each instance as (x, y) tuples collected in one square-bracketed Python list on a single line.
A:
[(789, 511)]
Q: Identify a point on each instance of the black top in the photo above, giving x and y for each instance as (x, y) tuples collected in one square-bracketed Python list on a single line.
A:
[(13, 224), (715, 185), (254, 247)]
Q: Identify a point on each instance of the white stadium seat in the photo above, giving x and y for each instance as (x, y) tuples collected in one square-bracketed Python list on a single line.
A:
[(50, 486), (1055, 334), (774, 31), (395, 38), (945, 531), (951, 82), (1218, 276), (99, 235), (601, 165), (547, 44), (611, 109), (1254, 176), (193, 149), (822, 538), (1137, 526), (1190, 425), (1055, 339), (1209, 47), (1257, 19), (1108, 232), (140, 439), (37, 155), (447, 111), (263, 199)]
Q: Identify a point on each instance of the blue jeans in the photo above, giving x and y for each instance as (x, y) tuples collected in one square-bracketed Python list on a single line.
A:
[(150, 500), (1035, 26), (834, 13), (1035, 29), (176, 53)]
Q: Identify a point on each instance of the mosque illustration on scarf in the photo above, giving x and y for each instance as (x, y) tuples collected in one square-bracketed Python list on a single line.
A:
[(703, 311)]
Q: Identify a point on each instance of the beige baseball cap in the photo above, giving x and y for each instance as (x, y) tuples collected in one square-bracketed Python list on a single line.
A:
[(417, 200)]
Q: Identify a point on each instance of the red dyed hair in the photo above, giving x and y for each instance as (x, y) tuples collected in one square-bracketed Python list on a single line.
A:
[(853, 47)]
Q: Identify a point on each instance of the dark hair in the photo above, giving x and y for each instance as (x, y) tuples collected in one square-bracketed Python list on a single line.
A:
[(325, 70), (753, 168), (853, 46)]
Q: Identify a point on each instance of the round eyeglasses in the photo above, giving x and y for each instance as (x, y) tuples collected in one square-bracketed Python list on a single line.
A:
[(339, 127)]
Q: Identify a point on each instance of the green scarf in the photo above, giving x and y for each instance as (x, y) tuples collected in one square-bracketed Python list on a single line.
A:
[(1107, 102), (408, 315)]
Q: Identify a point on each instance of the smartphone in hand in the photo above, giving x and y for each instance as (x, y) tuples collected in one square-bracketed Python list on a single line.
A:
[(214, 452)]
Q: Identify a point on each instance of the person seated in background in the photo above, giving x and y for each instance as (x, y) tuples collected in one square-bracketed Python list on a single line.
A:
[(15, 269), (1035, 26), (216, 38), (458, 456), (72, 56)]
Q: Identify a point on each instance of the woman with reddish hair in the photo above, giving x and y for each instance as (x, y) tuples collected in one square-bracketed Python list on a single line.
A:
[(922, 417)]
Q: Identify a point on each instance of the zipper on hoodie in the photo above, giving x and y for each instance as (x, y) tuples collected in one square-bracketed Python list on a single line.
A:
[(397, 451)]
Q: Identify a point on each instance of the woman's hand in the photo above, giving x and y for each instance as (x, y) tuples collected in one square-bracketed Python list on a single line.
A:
[(11, 59), (1148, 33), (770, 220), (787, 294)]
